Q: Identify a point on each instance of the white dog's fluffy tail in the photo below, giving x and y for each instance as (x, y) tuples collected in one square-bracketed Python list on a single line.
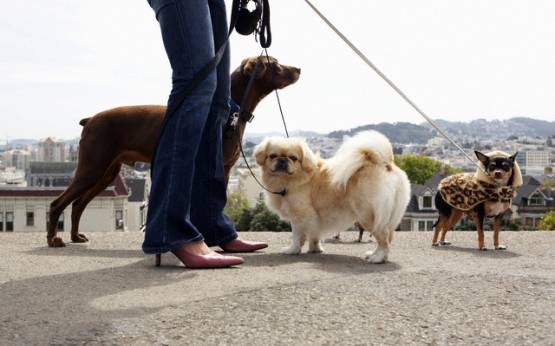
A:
[(369, 147)]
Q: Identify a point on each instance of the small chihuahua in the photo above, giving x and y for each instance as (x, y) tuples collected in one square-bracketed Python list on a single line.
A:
[(479, 195)]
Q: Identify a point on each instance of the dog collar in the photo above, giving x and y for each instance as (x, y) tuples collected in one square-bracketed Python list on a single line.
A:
[(243, 115)]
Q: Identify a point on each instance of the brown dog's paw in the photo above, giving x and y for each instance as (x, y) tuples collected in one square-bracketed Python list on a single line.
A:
[(483, 249), (435, 244), (444, 243), (501, 247), (56, 242), (79, 238)]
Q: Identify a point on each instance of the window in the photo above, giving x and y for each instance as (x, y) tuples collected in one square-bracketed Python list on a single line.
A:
[(536, 199), (119, 219), (427, 202), (429, 225), (9, 222), (421, 225), (30, 218), (1, 222)]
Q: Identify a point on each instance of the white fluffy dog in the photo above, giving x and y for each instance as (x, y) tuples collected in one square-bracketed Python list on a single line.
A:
[(360, 183)]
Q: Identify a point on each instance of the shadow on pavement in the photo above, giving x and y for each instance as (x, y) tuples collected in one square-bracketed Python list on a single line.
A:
[(491, 253), (84, 251), (326, 262), (65, 299)]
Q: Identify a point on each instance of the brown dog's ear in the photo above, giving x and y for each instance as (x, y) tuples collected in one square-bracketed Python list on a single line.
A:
[(483, 158), (260, 152), (249, 65)]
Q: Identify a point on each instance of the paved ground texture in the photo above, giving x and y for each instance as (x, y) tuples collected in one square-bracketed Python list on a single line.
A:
[(106, 292)]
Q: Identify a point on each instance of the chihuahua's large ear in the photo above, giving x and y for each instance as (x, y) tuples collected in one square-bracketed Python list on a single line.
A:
[(482, 158), (516, 179), (250, 63), (513, 158), (309, 160), (260, 152)]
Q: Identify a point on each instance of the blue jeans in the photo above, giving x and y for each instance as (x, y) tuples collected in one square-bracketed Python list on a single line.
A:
[(188, 192)]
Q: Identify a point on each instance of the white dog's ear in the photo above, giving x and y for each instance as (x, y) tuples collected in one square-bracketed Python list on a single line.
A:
[(309, 160), (260, 152)]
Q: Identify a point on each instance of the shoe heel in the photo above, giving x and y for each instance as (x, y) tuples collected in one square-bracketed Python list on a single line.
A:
[(158, 259)]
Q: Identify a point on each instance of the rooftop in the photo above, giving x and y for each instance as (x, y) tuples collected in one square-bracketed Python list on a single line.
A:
[(116, 188)]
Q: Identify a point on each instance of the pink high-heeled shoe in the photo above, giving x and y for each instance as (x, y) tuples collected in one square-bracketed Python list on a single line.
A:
[(238, 245), (211, 260)]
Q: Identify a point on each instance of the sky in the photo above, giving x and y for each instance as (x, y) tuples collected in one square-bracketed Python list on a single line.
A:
[(62, 60)]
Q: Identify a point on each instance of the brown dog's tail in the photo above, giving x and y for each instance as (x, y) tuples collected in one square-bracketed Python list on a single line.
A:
[(83, 121)]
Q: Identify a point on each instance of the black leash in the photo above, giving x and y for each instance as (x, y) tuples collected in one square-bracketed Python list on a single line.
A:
[(247, 21)]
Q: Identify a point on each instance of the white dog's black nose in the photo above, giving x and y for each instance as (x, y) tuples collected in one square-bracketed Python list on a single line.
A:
[(281, 164)]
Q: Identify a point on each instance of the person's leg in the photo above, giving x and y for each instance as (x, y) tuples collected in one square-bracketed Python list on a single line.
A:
[(209, 187), (187, 35)]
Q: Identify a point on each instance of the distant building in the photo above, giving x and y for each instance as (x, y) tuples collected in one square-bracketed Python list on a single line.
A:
[(533, 201), (137, 206), (26, 209), (73, 154), (50, 174), (12, 176), (248, 186), (534, 162), (421, 213), (17, 158), (51, 150)]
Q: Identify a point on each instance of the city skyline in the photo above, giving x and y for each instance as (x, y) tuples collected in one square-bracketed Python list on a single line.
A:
[(458, 61)]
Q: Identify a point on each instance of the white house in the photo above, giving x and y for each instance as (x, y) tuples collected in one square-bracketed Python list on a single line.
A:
[(26, 209)]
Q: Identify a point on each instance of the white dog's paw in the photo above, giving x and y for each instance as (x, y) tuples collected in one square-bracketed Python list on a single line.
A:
[(316, 248), (292, 250), (501, 247), (378, 256)]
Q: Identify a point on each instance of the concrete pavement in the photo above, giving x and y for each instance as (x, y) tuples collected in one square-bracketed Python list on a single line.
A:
[(107, 292)]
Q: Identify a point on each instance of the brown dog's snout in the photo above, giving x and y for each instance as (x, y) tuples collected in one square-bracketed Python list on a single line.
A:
[(498, 174)]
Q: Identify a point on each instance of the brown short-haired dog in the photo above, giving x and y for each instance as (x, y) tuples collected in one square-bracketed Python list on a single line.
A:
[(479, 195), (126, 135)]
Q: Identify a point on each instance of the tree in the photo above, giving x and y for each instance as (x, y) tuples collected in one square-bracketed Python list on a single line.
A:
[(547, 223), (237, 203), (264, 220), (245, 219), (420, 168)]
